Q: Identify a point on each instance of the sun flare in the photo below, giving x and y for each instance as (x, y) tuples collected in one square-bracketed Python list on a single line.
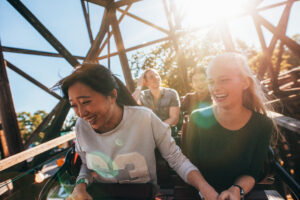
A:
[(201, 12)]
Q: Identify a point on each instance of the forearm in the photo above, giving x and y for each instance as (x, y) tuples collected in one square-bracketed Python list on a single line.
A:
[(196, 179), (137, 94), (246, 182), (172, 121)]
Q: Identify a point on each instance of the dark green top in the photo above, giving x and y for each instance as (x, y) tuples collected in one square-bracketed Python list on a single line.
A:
[(223, 155)]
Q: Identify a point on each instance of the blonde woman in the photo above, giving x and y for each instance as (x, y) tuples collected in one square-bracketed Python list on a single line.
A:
[(229, 141)]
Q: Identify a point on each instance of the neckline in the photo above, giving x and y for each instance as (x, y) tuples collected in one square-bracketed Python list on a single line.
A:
[(237, 130)]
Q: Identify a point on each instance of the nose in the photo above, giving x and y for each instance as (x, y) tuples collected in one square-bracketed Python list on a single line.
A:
[(81, 111)]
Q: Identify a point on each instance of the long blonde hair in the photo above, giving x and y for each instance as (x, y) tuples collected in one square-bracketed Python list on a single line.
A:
[(254, 98)]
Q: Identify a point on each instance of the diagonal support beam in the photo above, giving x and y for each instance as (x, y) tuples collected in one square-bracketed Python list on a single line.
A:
[(226, 37), (35, 52), (109, 35), (281, 28), (144, 21), (137, 47), (87, 20), (92, 54), (43, 124), (20, 7), (103, 3), (124, 2), (32, 80), (12, 136), (121, 50)]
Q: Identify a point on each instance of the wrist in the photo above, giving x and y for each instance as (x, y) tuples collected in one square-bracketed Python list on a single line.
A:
[(239, 190)]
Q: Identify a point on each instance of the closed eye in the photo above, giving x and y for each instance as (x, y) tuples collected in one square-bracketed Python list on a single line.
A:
[(86, 102)]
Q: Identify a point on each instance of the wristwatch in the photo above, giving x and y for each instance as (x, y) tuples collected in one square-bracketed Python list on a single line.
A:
[(83, 180), (242, 192)]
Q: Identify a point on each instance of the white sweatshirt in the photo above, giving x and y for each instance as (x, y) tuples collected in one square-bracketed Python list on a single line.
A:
[(126, 153)]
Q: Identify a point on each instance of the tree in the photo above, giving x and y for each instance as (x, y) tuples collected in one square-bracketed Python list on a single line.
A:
[(29, 122), (192, 52)]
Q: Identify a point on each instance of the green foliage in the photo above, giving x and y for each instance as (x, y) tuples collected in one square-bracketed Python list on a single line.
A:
[(29, 122), (195, 50), (192, 52)]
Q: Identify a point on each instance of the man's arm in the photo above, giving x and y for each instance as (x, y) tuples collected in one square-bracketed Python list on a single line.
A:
[(137, 94), (173, 116), (196, 179)]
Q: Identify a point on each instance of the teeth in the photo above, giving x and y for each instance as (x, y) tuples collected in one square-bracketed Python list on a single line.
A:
[(220, 95)]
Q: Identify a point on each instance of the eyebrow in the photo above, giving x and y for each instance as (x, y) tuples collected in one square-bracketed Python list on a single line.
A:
[(80, 97)]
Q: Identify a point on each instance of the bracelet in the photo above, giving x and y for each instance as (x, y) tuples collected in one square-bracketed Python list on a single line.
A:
[(242, 192), (83, 180)]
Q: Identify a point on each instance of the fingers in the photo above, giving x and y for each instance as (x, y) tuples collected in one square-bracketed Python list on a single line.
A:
[(224, 196)]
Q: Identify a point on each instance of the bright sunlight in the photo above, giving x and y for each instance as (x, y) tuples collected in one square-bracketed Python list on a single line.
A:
[(200, 12)]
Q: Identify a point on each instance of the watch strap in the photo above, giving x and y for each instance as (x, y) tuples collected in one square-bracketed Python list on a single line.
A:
[(83, 180), (242, 192)]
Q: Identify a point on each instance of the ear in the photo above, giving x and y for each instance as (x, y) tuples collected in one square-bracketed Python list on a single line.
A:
[(246, 83), (114, 94)]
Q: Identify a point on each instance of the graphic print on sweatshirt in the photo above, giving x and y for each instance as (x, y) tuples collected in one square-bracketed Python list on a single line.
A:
[(125, 168)]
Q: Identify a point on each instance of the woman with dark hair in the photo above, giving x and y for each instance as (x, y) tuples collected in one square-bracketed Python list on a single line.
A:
[(116, 139)]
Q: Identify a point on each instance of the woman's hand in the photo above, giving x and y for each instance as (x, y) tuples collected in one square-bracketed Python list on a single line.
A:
[(80, 193), (233, 193)]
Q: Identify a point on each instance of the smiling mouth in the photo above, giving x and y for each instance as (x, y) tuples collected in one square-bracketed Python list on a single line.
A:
[(220, 97), (91, 120)]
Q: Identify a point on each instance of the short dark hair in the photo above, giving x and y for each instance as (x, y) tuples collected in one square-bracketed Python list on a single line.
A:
[(197, 70), (100, 79)]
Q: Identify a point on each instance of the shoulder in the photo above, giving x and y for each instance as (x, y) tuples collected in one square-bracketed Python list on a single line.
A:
[(203, 117), (264, 123), (170, 91), (189, 95), (206, 112), (138, 110)]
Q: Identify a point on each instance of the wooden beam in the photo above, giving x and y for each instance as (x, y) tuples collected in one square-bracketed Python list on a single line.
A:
[(87, 21), (20, 7), (282, 25), (32, 80), (291, 44), (109, 34), (92, 54), (54, 129), (137, 47), (35, 52), (4, 146), (260, 36), (43, 124), (286, 122), (103, 3), (182, 70), (144, 21), (121, 50), (124, 2), (226, 37), (8, 115), (29, 153)]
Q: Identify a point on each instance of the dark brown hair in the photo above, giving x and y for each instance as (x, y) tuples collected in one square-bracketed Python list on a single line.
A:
[(100, 79)]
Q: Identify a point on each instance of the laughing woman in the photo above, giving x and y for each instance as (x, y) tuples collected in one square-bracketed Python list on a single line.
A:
[(228, 142), (115, 139)]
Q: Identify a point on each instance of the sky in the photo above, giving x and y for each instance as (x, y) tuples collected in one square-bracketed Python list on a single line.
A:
[(64, 19)]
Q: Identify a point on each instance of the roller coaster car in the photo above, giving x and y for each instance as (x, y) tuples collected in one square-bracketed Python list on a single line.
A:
[(60, 185)]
